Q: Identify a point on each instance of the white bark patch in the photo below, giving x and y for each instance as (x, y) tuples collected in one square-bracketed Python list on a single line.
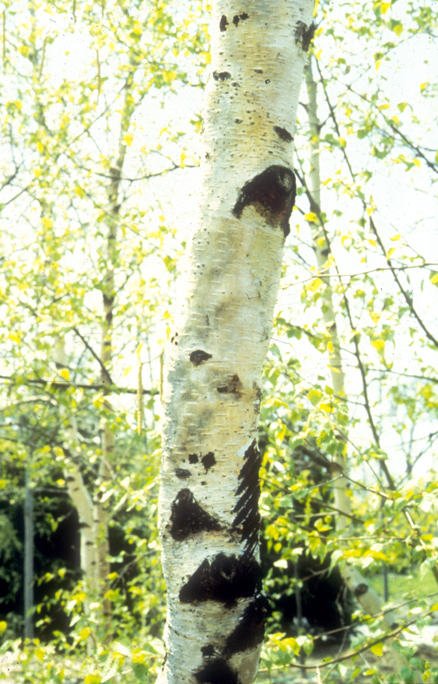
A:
[(209, 518)]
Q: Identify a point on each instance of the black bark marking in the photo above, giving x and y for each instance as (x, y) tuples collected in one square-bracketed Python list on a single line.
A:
[(207, 650), (225, 579), (361, 589), (283, 133), (238, 121), (251, 628), (223, 23), (208, 460), (247, 519), (240, 17), (304, 34), (272, 193), (182, 473), (197, 357), (221, 75), (193, 458), (188, 517), (258, 71), (258, 391), (217, 672), (234, 386)]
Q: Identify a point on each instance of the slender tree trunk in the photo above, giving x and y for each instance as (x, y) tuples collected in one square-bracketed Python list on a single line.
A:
[(29, 551), (209, 519), (94, 514), (94, 549)]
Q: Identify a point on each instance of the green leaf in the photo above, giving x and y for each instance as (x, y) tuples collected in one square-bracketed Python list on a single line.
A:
[(141, 672), (377, 649)]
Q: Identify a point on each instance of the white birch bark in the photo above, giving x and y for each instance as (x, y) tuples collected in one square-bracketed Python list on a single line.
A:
[(369, 600), (209, 518)]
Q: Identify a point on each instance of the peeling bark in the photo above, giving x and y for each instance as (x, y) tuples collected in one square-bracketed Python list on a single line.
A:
[(209, 519)]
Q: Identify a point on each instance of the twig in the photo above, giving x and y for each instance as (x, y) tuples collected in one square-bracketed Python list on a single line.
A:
[(105, 372), (352, 654), (407, 298), (66, 383), (358, 274)]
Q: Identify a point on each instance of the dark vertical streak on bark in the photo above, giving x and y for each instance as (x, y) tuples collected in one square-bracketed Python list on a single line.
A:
[(250, 630), (247, 519)]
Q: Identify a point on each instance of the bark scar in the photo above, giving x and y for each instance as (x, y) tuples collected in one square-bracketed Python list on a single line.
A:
[(221, 75), (223, 23), (225, 579), (208, 461), (199, 356), (240, 17), (188, 517), (217, 672), (233, 386), (304, 34), (272, 194), (283, 133), (361, 589)]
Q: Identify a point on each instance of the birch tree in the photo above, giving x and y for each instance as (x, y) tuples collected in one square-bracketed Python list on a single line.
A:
[(209, 517)]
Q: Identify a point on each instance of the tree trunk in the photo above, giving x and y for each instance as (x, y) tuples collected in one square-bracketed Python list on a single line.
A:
[(94, 549), (93, 513), (29, 550), (209, 519)]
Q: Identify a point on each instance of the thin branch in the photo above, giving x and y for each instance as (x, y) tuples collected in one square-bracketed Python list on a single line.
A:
[(63, 385), (9, 180), (407, 298), (323, 504), (322, 275), (105, 372), (398, 132), (352, 654), (333, 117), (424, 378)]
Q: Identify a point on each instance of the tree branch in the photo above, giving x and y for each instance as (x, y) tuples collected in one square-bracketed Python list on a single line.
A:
[(62, 385), (352, 654), (105, 372), (407, 298)]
